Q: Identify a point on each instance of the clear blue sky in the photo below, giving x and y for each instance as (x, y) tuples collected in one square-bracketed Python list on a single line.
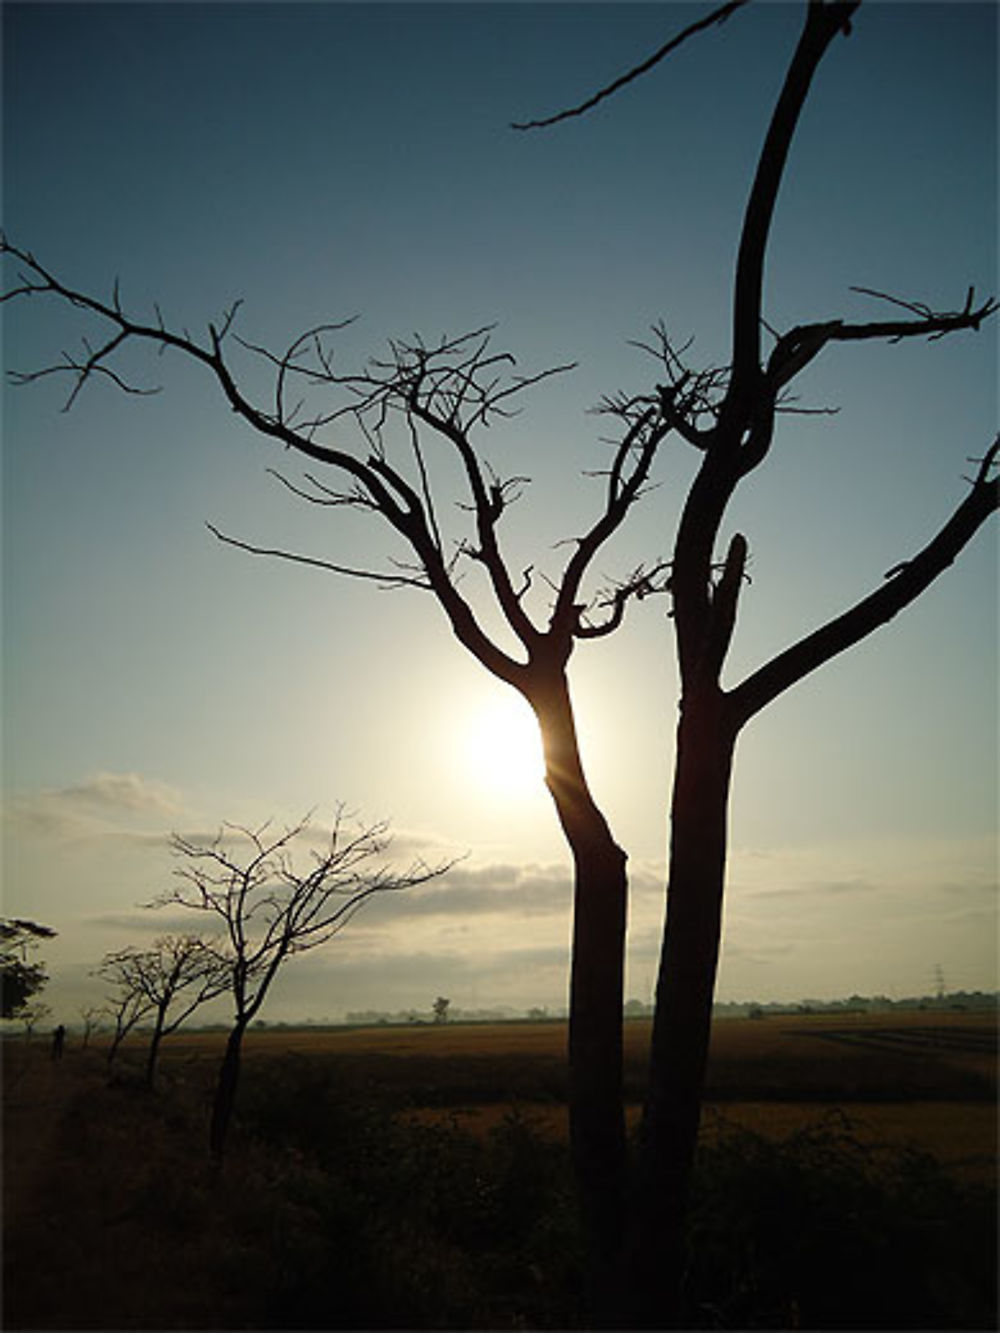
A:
[(325, 160)]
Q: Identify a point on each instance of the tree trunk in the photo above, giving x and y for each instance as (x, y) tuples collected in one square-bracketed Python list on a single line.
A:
[(116, 1041), (154, 1051), (596, 1112), (225, 1092), (682, 1022)]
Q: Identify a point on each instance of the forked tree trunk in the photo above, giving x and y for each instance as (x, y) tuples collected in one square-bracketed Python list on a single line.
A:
[(225, 1091), (682, 1024), (597, 1123)]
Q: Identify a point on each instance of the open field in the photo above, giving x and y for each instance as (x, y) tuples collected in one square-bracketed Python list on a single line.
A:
[(926, 1079), (968, 1037), (418, 1177)]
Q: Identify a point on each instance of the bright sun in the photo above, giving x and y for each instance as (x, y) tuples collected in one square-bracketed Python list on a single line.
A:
[(501, 748)]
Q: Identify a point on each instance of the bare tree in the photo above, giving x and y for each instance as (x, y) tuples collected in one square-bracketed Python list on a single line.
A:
[(31, 1014), (270, 911), (176, 976), (89, 1014), (445, 393), (397, 407), (127, 1002), (728, 414)]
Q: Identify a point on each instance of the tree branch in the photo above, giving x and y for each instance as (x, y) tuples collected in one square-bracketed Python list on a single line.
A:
[(646, 430), (794, 350), (823, 21), (383, 580), (716, 16), (640, 584), (905, 582), (448, 386), (723, 606)]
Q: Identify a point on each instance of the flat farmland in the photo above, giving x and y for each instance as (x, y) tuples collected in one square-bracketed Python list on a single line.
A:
[(351, 1197), (926, 1079)]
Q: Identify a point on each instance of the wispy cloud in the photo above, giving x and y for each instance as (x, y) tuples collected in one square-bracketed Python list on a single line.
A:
[(157, 922), (760, 954), (102, 805), (124, 791), (816, 888), (500, 889)]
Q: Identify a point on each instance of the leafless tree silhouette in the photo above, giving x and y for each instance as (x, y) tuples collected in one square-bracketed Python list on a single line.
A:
[(270, 910), (176, 976), (90, 1015), (126, 1002), (728, 415)]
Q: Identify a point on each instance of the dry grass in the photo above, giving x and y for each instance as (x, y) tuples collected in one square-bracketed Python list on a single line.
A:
[(961, 1137), (789, 1040), (108, 1187), (926, 1079)]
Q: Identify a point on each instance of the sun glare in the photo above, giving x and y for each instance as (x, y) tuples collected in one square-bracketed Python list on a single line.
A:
[(501, 748)]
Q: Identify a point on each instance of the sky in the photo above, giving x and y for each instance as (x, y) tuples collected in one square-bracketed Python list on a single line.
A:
[(322, 161)]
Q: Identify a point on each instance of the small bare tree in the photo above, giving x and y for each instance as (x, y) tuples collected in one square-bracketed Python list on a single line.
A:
[(31, 1014), (126, 1003), (89, 1016), (176, 976), (271, 910)]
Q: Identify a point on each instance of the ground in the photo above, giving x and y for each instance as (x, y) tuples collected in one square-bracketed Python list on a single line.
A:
[(114, 1217)]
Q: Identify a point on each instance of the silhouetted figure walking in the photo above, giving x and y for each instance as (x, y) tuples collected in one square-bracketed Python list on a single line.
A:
[(58, 1041)]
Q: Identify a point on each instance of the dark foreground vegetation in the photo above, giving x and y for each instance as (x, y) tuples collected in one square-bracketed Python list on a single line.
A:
[(355, 1196)]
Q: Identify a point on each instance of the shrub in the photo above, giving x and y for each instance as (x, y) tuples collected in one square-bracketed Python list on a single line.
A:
[(822, 1231)]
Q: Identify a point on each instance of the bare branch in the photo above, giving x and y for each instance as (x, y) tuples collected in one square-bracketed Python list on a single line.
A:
[(904, 583), (794, 350), (716, 16), (273, 910), (383, 580), (83, 369), (724, 603), (640, 584), (627, 477), (823, 23), (689, 400)]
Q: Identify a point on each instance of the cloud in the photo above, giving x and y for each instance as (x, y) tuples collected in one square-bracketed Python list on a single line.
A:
[(501, 889), (157, 922), (102, 805), (761, 954), (333, 980), (814, 888), (465, 895), (987, 888), (506, 889), (124, 791)]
